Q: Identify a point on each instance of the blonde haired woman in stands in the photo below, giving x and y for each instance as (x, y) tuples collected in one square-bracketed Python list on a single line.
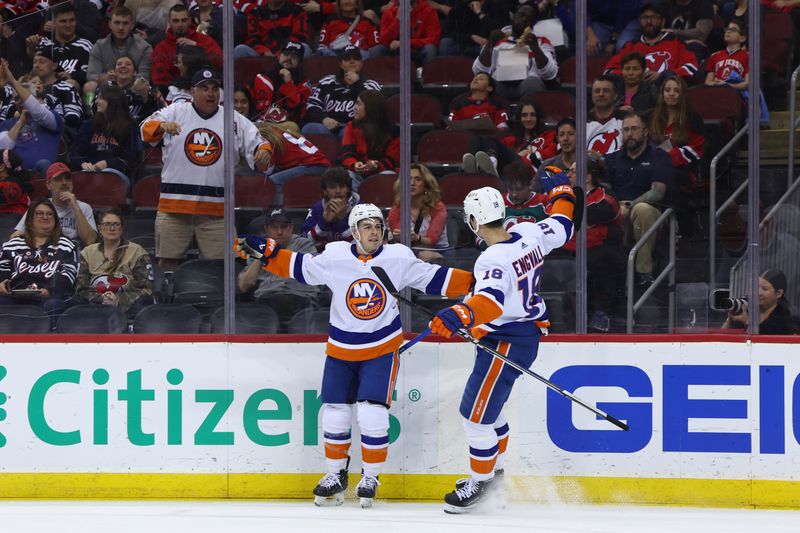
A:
[(428, 215)]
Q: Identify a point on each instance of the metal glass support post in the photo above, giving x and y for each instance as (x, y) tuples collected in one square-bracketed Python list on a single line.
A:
[(581, 285), (754, 165), (405, 139), (229, 156)]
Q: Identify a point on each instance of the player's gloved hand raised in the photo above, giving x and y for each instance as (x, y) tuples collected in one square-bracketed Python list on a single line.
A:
[(254, 247), (555, 183), (451, 319)]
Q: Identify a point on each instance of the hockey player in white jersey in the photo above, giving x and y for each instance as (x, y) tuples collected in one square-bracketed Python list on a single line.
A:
[(507, 313), (364, 336)]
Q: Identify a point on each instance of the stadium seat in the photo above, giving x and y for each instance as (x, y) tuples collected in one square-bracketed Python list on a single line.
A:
[(717, 103), (254, 192), (199, 282), (8, 222), (39, 189), (92, 318), (426, 111), (146, 192), (28, 319), (310, 321), (595, 65), (378, 190), (327, 143), (776, 42), (246, 68), (386, 71), (455, 187), (152, 160), (101, 190), (168, 318), (302, 192), (442, 150), (251, 318), (555, 104), (448, 73), (317, 67)]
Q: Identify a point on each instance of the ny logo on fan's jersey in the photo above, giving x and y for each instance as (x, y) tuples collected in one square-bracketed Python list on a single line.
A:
[(366, 298), (203, 147)]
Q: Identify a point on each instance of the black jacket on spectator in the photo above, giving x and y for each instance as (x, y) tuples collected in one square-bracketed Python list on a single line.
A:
[(334, 99), (91, 146)]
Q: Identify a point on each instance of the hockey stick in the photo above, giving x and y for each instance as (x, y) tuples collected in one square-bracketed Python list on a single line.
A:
[(414, 341), (387, 282)]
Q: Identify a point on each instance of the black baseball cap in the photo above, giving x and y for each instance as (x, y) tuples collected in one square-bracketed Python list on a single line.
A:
[(657, 7), (277, 215), (350, 51), (203, 75), (293, 47)]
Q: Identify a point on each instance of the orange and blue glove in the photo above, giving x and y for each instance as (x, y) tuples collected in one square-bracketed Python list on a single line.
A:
[(451, 319), (555, 183), (254, 247)]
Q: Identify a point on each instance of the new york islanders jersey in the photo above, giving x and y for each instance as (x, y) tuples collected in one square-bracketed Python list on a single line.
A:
[(508, 272), (364, 320), (193, 178)]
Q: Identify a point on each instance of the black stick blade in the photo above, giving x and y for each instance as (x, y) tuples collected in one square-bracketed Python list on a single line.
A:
[(620, 424), (385, 279)]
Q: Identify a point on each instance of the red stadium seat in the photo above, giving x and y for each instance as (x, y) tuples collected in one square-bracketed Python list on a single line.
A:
[(425, 110), (378, 190), (776, 42), (720, 106), (101, 190), (455, 187), (40, 189), (146, 192), (302, 192), (246, 68), (152, 158), (443, 148), (555, 104), (317, 67), (384, 70), (595, 66), (327, 143), (253, 192), (448, 72)]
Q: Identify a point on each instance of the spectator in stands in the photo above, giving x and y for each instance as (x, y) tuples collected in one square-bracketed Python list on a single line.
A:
[(774, 310), (192, 180), (565, 131), (76, 219), (141, 99), (678, 129), (347, 26), (515, 80), (115, 271), (663, 52), (15, 184), (188, 61), (425, 32), (290, 156), (243, 102), (732, 9), (283, 94), (8, 139), (610, 25), (479, 102), (730, 65), (638, 95), (470, 23), (14, 29), (428, 215), (67, 96), (39, 266), (285, 295), (371, 143), (109, 141), (179, 34), (606, 258), (327, 219), (639, 176), (522, 204), (38, 140), (270, 25), (152, 17), (604, 130), (70, 52), (87, 16), (529, 139), (691, 21), (121, 42), (332, 102), (207, 19)]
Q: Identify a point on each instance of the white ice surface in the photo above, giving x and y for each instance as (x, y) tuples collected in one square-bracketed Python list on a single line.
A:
[(384, 517)]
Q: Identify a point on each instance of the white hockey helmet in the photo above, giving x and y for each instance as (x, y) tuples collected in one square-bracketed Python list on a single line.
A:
[(483, 205), (361, 212)]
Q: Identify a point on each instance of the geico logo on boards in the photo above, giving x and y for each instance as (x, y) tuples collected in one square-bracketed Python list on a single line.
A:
[(140, 404), (678, 406), (203, 147), (366, 298)]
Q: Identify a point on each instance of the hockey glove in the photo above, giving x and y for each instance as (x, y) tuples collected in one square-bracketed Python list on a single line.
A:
[(253, 247), (451, 319), (552, 177)]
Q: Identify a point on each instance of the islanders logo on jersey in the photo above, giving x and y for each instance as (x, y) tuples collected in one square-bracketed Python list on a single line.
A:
[(366, 298), (203, 147)]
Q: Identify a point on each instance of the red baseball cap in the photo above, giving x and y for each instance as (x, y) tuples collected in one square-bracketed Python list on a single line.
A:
[(56, 169)]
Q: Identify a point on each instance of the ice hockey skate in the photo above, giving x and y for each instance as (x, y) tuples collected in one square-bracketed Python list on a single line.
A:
[(366, 490), (329, 492), (464, 499)]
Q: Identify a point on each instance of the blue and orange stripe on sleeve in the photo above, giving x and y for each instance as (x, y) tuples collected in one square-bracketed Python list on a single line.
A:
[(280, 265)]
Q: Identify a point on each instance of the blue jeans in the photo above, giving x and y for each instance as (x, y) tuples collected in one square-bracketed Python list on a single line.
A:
[(448, 46), (630, 32), (420, 57), (282, 177), (318, 128)]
